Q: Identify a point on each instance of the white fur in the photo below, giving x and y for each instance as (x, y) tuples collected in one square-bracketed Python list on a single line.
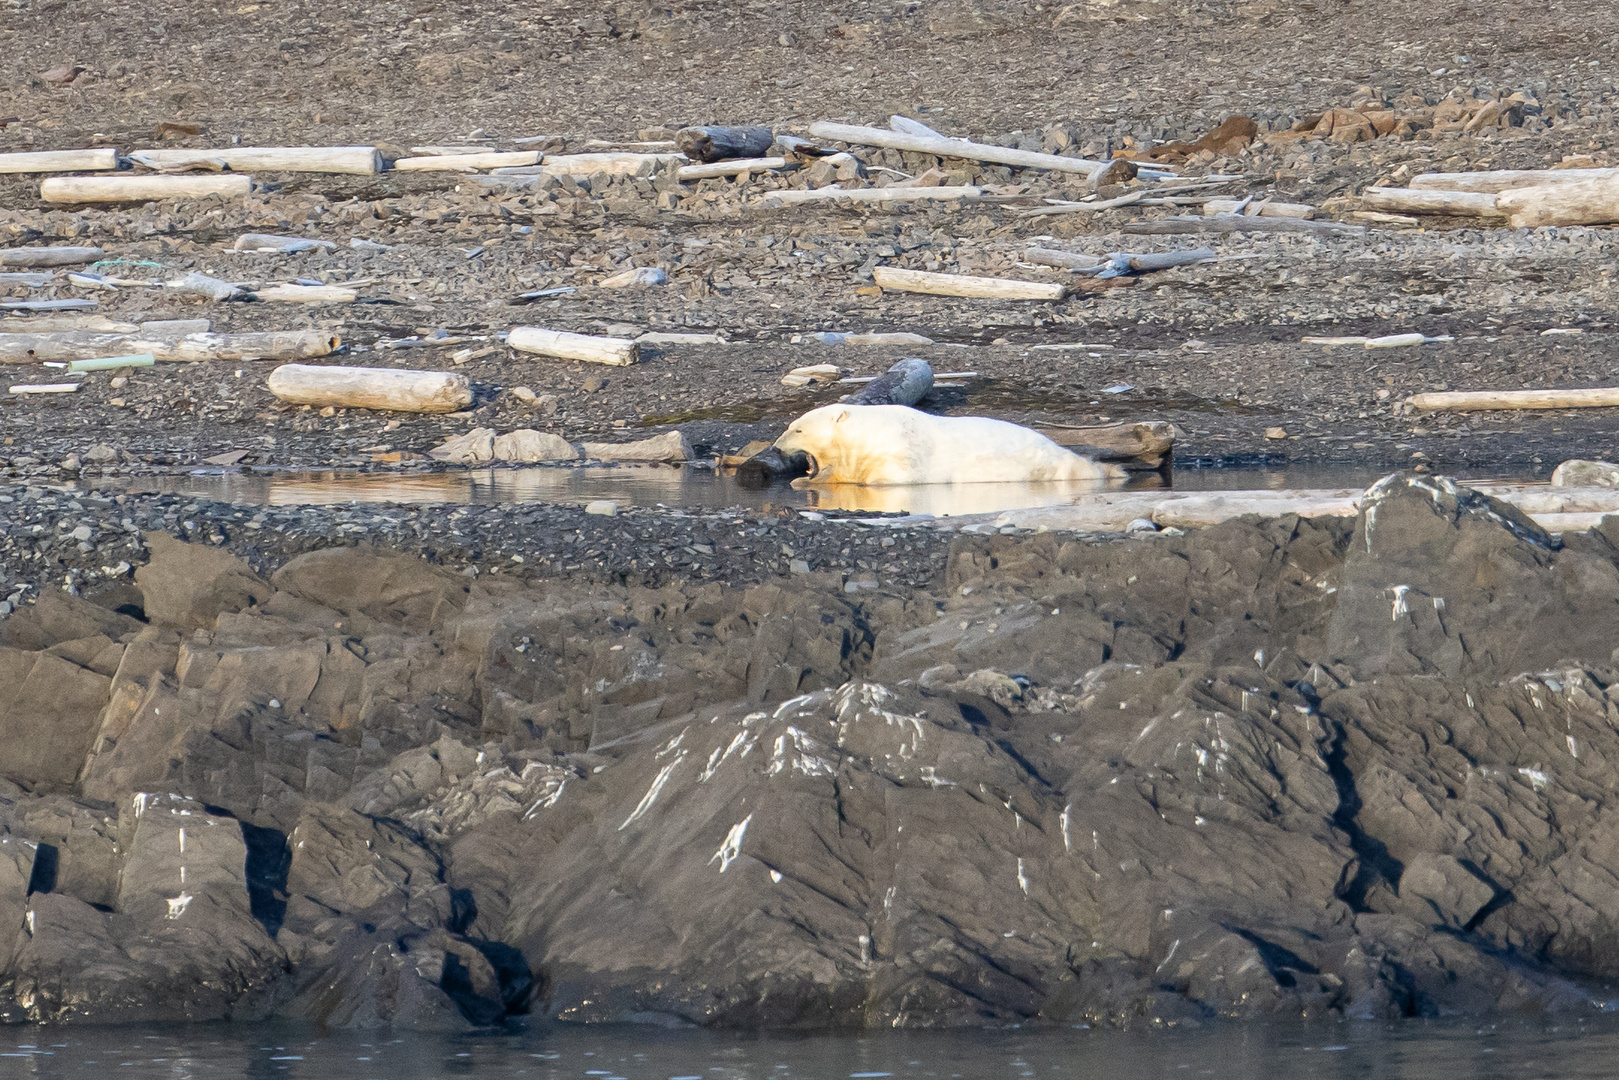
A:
[(891, 445)]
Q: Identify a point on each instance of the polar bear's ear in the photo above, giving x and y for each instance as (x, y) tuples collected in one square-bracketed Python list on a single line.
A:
[(842, 415)]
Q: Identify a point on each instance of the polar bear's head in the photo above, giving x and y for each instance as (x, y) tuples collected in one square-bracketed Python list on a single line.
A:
[(816, 435)]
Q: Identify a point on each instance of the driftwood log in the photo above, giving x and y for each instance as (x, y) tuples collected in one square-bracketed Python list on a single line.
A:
[(722, 143), (1498, 180), (81, 344), (906, 383), (129, 188), (465, 162), (1147, 444), (1480, 400), (49, 256), (795, 196), (1422, 201), (1264, 208), (98, 160), (921, 281), (354, 160), (735, 167), (954, 148), (1186, 224), (1584, 202), (385, 389), (618, 352)]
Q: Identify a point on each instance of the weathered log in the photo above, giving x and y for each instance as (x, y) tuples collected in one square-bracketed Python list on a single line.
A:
[(1585, 202), (621, 164), (49, 256), (281, 245), (1185, 224), (1263, 208), (31, 348), (1480, 400), (795, 196), (723, 143), (1150, 442), (60, 161), (383, 389), (466, 162), (30, 280), (1123, 263), (618, 352), (308, 294), (1064, 260), (129, 188), (1412, 200), (45, 388), (955, 148), (75, 304), (731, 168), (906, 383), (1498, 180), (353, 160), (921, 281)]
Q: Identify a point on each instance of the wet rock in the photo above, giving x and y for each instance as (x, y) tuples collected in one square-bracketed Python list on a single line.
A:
[(384, 586), (1432, 571), (475, 446), (527, 445), (190, 585)]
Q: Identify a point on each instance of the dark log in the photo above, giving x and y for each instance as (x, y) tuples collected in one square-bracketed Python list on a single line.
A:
[(724, 143), (906, 383)]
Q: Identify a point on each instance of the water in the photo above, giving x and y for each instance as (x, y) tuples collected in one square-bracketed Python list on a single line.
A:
[(1404, 1050), (688, 487)]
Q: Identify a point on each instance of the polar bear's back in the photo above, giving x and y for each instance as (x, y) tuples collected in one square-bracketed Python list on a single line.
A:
[(907, 446)]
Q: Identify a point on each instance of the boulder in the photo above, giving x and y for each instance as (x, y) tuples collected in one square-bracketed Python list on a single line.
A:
[(475, 446), (190, 585), (57, 617), (1577, 473), (383, 586), (526, 444), (49, 717)]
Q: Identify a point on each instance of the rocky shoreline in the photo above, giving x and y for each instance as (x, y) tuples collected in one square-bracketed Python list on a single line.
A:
[(1272, 767)]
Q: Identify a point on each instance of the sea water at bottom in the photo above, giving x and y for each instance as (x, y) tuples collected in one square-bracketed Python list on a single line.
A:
[(1515, 1048)]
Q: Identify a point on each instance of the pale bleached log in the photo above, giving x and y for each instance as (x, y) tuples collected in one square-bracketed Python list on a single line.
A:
[(1553, 509), (354, 160), (1235, 223), (281, 245), (622, 164), (921, 281), (130, 188), (383, 389), (45, 388), (27, 279), (75, 304), (1480, 400), (1258, 209), (1586, 202), (430, 151), (98, 160), (308, 294), (954, 148), (1064, 260), (70, 345), (1412, 200), (461, 162), (734, 167), (49, 256), (618, 352), (793, 197), (1498, 180)]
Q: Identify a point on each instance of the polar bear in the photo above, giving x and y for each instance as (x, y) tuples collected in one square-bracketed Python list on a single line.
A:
[(892, 445)]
